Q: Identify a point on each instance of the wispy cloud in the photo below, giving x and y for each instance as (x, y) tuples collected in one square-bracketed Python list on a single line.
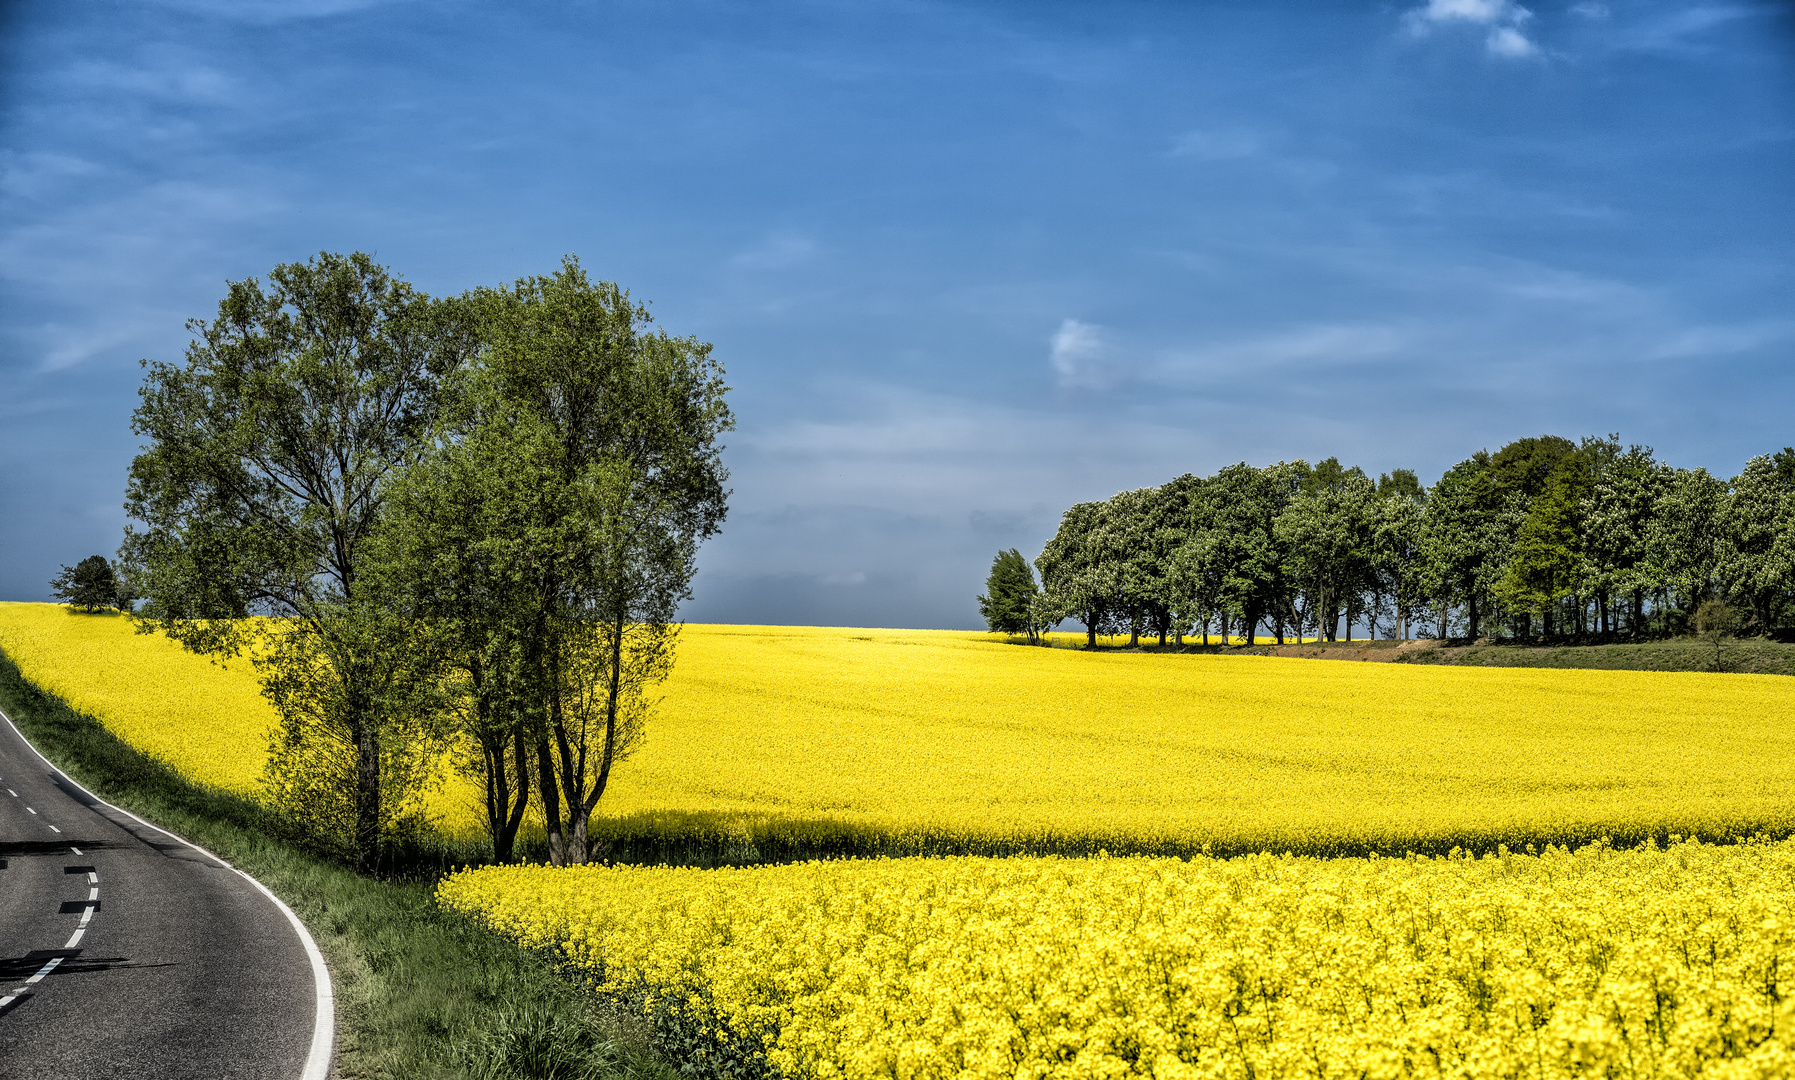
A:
[(1501, 21), (1699, 342), (1683, 31), (1080, 356), (1308, 345), (777, 251), (269, 11), (30, 175), (177, 80)]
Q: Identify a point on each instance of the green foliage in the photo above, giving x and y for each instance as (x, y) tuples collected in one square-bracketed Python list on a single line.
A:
[(1009, 600), (315, 760), (1076, 581), (91, 586), (586, 554), (1579, 539), (268, 457), (1545, 563)]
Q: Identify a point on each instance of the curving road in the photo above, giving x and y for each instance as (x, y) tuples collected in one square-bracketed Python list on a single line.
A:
[(127, 952)]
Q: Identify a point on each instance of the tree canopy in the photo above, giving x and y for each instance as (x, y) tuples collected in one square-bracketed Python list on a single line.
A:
[(90, 585), (1545, 535)]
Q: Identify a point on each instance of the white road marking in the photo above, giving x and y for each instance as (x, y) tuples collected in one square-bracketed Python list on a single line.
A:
[(13, 793), (30, 810), (20, 992), (54, 829), (93, 878), (317, 1062)]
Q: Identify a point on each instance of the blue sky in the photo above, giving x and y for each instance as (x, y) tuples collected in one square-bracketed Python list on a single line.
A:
[(966, 263)]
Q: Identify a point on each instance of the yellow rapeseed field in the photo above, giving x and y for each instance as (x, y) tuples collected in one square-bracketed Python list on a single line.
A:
[(779, 740), (1643, 963), (209, 722), (795, 739)]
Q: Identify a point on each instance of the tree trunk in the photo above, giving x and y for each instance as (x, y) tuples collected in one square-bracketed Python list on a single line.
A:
[(551, 801), (583, 811), (367, 799), (1471, 614)]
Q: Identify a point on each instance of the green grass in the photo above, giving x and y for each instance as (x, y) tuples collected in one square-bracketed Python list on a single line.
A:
[(421, 992), (1759, 656), (1756, 656)]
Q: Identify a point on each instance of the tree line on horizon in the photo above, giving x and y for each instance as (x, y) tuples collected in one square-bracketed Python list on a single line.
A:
[(1545, 538)]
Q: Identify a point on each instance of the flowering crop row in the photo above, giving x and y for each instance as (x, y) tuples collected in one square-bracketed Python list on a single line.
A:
[(1639, 963), (777, 741)]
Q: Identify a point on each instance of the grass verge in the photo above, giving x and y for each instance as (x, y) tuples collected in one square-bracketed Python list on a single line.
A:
[(421, 991), (1749, 655)]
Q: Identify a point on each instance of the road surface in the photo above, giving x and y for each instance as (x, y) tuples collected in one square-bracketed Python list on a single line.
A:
[(125, 952)]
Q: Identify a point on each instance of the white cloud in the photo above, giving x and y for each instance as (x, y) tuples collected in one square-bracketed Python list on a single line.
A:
[(1504, 18), (1590, 11), (1080, 356), (1507, 41), (1477, 11)]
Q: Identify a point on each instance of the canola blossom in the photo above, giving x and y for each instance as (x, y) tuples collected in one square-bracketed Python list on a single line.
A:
[(1639, 963), (796, 739), (208, 722), (772, 741)]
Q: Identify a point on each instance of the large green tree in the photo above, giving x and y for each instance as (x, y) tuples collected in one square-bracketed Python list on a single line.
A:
[(1399, 558), (1617, 519), (89, 585), (622, 425), (267, 461), (455, 555), (1757, 558), (1326, 533), (1078, 581), (1008, 603)]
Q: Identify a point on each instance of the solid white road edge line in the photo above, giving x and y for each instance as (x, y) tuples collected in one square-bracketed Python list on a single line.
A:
[(317, 1062)]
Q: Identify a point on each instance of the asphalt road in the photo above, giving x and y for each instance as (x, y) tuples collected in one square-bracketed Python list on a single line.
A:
[(125, 952)]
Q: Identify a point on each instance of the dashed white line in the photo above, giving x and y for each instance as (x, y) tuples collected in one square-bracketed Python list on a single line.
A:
[(13, 793), (317, 1062), (30, 810), (93, 895)]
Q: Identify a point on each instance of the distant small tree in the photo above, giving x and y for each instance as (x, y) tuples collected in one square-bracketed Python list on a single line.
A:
[(1008, 605), (1717, 624), (89, 585)]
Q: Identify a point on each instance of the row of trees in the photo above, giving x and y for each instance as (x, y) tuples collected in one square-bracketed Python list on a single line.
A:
[(471, 519), (1544, 537)]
